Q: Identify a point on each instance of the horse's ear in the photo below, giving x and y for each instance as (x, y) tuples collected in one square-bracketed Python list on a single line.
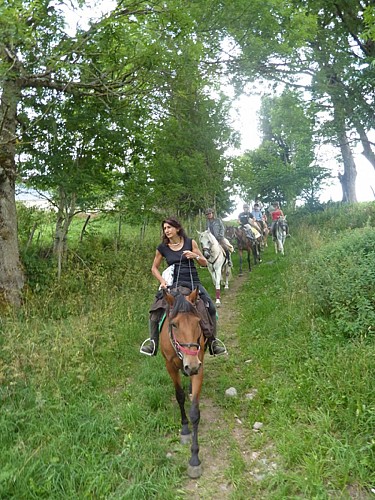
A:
[(193, 296), (168, 297)]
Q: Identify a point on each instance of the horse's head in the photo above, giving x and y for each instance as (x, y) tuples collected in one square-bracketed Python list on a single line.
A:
[(206, 240), (184, 329), (230, 232), (282, 223)]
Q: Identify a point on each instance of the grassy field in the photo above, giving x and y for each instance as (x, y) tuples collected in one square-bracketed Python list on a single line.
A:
[(85, 416)]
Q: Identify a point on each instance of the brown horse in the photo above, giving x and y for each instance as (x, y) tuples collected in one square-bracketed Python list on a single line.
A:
[(264, 232), (182, 345), (244, 243)]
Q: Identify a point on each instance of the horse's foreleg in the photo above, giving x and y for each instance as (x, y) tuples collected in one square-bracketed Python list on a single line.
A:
[(216, 281), (217, 289), (240, 262), (255, 253), (174, 373), (227, 274), (195, 469), (248, 261), (218, 296)]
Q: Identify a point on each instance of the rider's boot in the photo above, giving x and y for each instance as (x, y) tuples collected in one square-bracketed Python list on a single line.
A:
[(215, 346), (150, 345), (250, 236)]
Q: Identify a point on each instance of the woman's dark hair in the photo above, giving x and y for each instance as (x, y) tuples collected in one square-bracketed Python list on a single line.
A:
[(174, 223)]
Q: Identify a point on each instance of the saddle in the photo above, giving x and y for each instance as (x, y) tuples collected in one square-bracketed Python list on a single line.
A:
[(159, 307)]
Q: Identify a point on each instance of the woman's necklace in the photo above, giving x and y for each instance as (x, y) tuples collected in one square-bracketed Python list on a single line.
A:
[(175, 244)]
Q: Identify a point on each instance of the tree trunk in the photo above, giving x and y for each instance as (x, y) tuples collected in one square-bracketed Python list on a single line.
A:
[(11, 273), (64, 218), (348, 178), (367, 152)]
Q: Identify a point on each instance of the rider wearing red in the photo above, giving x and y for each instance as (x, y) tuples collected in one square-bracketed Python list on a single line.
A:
[(276, 213)]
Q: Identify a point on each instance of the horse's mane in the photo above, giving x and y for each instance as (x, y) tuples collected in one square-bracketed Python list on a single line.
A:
[(181, 305), (210, 236)]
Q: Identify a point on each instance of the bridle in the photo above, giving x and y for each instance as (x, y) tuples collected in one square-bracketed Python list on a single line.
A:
[(181, 349), (282, 223), (207, 251)]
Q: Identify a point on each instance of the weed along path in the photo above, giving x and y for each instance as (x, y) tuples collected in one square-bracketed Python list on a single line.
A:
[(227, 445)]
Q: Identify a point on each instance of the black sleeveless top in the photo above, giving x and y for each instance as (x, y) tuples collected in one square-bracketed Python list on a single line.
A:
[(184, 268)]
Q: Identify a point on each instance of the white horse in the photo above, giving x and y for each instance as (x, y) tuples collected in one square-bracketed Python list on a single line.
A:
[(218, 264), (279, 234)]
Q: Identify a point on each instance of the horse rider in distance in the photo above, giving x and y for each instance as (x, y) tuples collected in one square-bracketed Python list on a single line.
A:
[(259, 217), (216, 227), (246, 221), (276, 213)]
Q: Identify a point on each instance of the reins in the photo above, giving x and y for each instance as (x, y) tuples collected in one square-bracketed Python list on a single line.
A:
[(180, 348), (178, 274)]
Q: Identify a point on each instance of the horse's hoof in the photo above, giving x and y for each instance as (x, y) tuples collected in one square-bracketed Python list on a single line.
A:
[(218, 303), (226, 288), (194, 471), (185, 438)]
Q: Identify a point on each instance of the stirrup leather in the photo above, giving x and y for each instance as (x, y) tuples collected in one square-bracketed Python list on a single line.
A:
[(152, 342)]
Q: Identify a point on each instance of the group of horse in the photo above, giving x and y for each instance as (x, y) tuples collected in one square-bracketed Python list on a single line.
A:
[(237, 237), (182, 341)]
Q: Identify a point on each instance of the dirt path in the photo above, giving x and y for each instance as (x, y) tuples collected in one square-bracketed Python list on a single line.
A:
[(215, 452)]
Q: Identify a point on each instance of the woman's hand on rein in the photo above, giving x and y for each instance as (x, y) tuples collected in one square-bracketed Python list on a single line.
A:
[(190, 255)]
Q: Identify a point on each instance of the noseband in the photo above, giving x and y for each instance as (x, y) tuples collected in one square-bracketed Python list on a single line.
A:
[(182, 349), (208, 251)]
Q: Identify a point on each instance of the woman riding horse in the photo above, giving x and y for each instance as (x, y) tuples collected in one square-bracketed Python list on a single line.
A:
[(180, 251), (276, 213)]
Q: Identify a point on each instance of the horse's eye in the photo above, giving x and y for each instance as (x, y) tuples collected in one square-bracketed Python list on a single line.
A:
[(173, 325)]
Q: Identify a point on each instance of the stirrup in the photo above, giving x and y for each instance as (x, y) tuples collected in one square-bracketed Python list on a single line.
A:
[(152, 342), (221, 344)]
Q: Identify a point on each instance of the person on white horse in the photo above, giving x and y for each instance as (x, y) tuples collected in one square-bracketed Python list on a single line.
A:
[(180, 252), (217, 228), (246, 221)]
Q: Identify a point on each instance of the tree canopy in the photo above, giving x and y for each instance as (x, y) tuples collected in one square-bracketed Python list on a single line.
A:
[(129, 109)]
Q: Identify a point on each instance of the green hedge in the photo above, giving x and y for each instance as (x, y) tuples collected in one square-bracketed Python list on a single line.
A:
[(336, 217), (342, 283)]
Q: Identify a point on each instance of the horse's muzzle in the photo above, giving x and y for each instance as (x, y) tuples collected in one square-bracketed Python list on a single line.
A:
[(191, 366), (206, 253)]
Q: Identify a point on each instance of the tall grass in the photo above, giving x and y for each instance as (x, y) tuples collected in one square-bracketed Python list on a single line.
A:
[(316, 386)]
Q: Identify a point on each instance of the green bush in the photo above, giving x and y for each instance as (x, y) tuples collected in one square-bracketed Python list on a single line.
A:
[(336, 217), (342, 282)]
